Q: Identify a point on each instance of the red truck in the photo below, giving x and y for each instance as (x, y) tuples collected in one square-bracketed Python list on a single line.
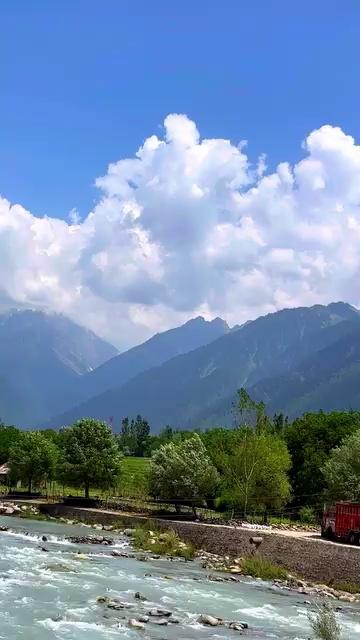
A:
[(342, 522)]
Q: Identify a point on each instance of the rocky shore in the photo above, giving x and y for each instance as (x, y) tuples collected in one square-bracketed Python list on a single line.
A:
[(220, 568), (13, 509)]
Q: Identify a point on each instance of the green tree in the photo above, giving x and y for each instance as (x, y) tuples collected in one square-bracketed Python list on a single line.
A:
[(33, 459), (183, 473), (342, 470), (255, 471), (91, 455), (134, 437), (310, 439), (250, 413), (8, 436)]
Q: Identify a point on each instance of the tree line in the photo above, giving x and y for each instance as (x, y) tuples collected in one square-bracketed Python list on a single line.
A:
[(261, 465)]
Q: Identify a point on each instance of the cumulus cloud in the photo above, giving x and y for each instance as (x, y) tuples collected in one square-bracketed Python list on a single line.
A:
[(191, 226)]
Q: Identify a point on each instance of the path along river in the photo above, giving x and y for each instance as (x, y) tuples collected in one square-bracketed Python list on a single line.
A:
[(52, 595)]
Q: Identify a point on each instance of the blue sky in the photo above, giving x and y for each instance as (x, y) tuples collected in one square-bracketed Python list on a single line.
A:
[(194, 224), (83, 83)]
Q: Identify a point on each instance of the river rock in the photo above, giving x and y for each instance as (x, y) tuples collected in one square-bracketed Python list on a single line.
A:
[(129, 532), (143, 619), (90, 540), (139, 596), (238, 626), (157, 612), (209, 621), (136, 624), (103, 599), (161, 621)]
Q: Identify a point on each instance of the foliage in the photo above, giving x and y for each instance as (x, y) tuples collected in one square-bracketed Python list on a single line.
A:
[(164, 543), (255, 470), (90, 455), (8, 437), (248, 412), (324, 624), (134, 437), (258, 567), (348, 587), (342, 470), (307, 515), (310, 440), (183, 473), (33, 458)]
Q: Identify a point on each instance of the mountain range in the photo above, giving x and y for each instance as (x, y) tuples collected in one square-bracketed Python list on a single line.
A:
[(53, 372), (283, 358), (41, 359)]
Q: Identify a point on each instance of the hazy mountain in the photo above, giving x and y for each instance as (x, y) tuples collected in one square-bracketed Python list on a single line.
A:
[(197, 388), (41, 358), (328, 379), (158, 349)]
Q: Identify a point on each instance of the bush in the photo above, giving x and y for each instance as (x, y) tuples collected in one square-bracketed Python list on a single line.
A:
[(307, 515), (164, 543), (349, 587), (258, 567), (324, 624)]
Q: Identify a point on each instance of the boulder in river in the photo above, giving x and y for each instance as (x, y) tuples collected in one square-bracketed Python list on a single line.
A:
[(143, 618), (209, 621), (161, 621), (90, 540), (139, 596), (238, 626), (161, 613), (136, 624)]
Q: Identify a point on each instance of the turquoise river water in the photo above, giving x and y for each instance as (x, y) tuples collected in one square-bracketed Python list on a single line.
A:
[(52, 595)]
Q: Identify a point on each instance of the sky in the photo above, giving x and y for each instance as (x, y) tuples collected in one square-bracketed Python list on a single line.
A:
[(164, 160)]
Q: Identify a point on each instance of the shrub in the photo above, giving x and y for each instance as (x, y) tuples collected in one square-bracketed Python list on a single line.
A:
[(323, 623), (349, 587), (165, 543), (307, 515), (258, 567)]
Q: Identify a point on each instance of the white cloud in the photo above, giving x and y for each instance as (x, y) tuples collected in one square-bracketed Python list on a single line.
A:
[(190, 226)]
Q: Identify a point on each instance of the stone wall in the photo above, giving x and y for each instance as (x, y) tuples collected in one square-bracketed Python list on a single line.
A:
[(311, 558)]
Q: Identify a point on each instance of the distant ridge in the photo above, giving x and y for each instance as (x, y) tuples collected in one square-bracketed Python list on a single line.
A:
[(42, 356), (196, 389)]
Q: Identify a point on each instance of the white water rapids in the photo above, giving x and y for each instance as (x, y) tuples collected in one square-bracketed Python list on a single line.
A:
[(52, 595)]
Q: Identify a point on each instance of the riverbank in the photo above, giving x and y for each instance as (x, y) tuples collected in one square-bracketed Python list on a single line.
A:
[(75, 580), (312, 559)]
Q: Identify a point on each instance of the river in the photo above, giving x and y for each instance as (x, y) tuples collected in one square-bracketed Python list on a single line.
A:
[(52, 595)]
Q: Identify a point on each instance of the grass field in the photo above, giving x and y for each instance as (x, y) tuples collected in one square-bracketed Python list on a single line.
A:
[(134, 482)]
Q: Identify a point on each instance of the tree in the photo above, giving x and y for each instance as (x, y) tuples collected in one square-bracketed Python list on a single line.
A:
[(342, 470), (255, 471), (33, 458), (91, 456), (183, 473), (134, 437), (310, 439), (250, 413), (8, 436)]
